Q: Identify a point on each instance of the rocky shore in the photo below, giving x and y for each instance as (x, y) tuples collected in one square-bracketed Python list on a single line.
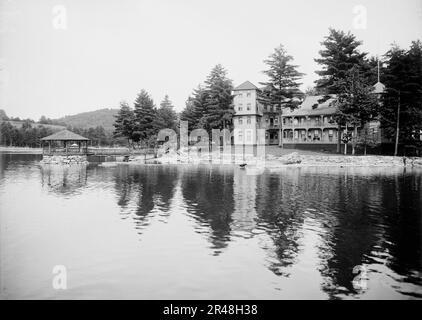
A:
[(342, 160), (64, 160), (294, 159)]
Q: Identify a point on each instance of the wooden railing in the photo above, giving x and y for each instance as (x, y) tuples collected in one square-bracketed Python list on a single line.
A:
[(63, 151), (98, 151)]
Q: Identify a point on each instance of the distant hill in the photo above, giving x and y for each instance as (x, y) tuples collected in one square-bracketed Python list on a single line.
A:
[(53, 127), (85, 120)]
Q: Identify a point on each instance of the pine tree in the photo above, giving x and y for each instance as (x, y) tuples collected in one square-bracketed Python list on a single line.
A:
[(124, 124), (356, 104), (219, 108), (282, 87), (339, 55), (403, 81), (145, 117), (166, 116), (195, 109), (188, 113)]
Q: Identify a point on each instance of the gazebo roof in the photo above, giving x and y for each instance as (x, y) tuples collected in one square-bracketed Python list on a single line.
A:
[(64, 135)]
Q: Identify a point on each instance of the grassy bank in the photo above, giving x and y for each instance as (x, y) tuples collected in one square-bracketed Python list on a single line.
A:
[(20, 150)]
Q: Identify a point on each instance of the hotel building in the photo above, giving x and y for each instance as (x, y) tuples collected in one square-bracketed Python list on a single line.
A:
[(311, 125)]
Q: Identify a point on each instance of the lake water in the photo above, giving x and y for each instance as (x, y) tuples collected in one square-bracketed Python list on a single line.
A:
[(209, 232)]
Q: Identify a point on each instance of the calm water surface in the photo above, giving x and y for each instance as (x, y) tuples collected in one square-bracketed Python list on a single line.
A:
[(204, 232)]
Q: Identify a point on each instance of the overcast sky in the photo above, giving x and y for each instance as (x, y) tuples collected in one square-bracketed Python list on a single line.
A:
[(65, 57)]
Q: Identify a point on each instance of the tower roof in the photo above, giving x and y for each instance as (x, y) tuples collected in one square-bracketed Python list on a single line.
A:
[(378, 88), (247, 85)]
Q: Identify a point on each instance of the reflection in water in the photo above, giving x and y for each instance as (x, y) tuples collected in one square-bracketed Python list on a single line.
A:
[(144, 191), (209, 200), (66, 180), (299, 231)]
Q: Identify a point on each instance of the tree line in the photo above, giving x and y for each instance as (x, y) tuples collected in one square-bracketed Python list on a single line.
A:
[(29, 133), (140, 124), (347, 74)]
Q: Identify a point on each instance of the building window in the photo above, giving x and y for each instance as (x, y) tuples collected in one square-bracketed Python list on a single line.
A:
[(240, 136), (258, 120), (266, 119), (240, 107), (248, 106), (248, 120), (248, 95), (276, 121), (240, 95), (248, 136), (240, 120)]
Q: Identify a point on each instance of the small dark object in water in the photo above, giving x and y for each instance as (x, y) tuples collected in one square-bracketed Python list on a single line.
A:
[(243, 165)]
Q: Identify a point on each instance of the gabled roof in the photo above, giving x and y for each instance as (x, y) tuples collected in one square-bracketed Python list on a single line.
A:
[(65, 135), (378, 88), (311, 106), (247, 85)]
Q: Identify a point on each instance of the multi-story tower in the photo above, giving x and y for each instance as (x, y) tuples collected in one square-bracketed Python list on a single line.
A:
[(247, 118)]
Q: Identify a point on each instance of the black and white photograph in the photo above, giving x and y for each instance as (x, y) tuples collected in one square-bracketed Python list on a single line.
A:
[(181, 150)]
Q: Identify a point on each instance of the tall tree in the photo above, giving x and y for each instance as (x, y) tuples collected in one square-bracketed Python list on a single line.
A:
[(219, 108), (188, 113), (125, 122), (3, 115), (166, 116), (340, 54), (145, 116), (282, 87), (356, 104), (196, 108), (401, 115)]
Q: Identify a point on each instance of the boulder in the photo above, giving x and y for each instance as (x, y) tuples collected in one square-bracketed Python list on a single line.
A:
[(291, 158)]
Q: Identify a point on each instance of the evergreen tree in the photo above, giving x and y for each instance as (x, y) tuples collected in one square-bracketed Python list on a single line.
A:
[(145, 117), (340, 54), (188, 113), (356, 104), (3, 115), (218, 100), (403, 96), (166, 116), (124, 124), (195, 109), (282, 87)]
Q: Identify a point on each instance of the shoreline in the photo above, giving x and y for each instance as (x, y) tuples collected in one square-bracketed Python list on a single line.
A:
[(293, 159), (290, 160), (23, 150)]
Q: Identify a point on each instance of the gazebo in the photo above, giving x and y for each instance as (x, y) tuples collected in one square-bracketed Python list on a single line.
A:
[(65, 143)]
